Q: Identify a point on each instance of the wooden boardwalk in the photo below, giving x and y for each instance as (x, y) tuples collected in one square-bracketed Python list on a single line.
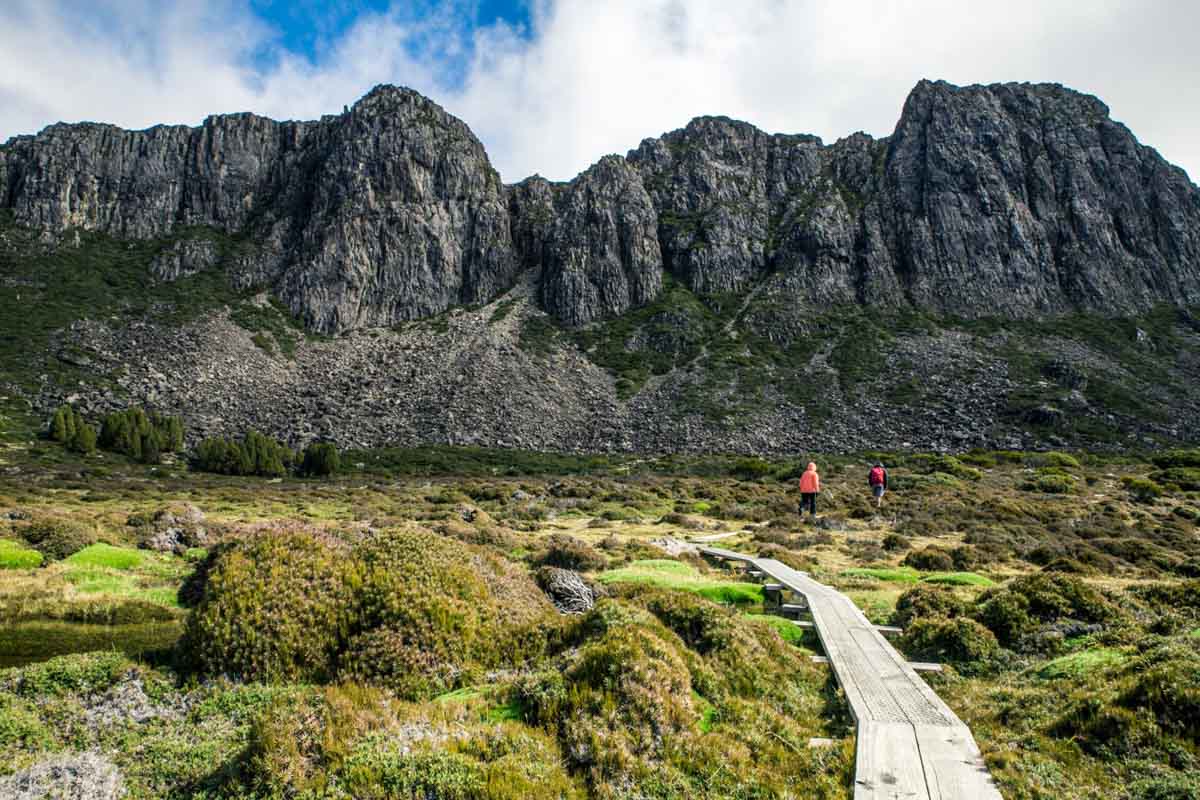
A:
[(911, 746)]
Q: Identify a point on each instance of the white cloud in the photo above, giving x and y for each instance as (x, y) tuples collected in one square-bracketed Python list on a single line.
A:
[(591, 78)]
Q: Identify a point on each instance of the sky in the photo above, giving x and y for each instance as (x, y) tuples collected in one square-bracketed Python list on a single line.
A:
[(551, 86)]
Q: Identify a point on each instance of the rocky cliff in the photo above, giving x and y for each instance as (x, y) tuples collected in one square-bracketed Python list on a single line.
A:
[(1014, 199), (716, 287)]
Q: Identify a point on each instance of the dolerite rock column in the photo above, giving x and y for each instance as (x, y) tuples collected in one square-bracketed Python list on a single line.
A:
[(603, 256)]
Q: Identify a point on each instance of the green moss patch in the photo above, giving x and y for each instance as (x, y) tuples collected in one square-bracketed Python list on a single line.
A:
[(14, 555), (1082, 663), (677, 575), (909, 575), (959, 579), (107, 556), (898, 575)]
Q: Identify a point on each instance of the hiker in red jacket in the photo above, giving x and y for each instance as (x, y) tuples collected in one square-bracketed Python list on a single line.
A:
[(877, 478), (810, 486)]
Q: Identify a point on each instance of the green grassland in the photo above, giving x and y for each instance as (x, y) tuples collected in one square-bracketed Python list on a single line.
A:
[(328, 641)]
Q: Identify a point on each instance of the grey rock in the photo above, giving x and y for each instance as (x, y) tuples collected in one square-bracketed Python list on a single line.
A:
[(602, 257), (388, 212), (174, 529), (68, 776), (567, 590), (126, 702)]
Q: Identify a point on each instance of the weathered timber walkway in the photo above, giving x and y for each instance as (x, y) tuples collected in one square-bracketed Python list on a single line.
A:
[(911, 746)]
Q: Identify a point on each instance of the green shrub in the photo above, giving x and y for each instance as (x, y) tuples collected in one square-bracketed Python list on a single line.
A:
[(58, 537), (1180, 786), (1055, 459), (1176, 458), (277, 607), (924, 600), (81, 673), (1186, 479), (1006, 614), (320, 460), (68, 427), (944, 465), (1054, 596), (256, 454), (895, 542), (1142, 490), (1167, 683), (84, 439), (931, 559), (1050, 483), (434, 614), (141, 436), (958, 640), (62, 424), (751, 469), (566, 552), (413, 611)]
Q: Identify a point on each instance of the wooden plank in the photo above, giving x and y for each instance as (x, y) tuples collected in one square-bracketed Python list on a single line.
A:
[(953, 765), (925, 666), (890, 629), (887, 763), (819, 659)]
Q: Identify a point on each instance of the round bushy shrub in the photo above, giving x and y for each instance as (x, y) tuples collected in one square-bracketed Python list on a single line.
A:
[(567, 552), (931, 559), (1167, 683), (927, 600), (1053, 596), (411, 610), (277, 607), (1142, 490), (1050, 482), (57, 538), (959, 640), (433, 613), (1006, 614), (895, 542), (625, 691)]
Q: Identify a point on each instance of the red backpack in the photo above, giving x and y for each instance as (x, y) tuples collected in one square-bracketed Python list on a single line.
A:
[(875, 476)]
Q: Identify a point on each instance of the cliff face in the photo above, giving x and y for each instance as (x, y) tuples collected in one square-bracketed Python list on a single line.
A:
[(1012, 200), (388, 212)]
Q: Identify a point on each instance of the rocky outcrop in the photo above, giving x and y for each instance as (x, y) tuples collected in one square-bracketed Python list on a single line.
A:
[(388, 212), (1010, 199), (1022, 199), (1013, 200), (602, 256)]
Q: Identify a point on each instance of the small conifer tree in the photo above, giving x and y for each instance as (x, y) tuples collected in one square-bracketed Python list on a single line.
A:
[(60, 424), (149, 446), (84, 440), (320, 460)]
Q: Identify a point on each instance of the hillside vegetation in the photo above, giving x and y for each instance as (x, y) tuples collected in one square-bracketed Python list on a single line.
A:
[(384, 633)]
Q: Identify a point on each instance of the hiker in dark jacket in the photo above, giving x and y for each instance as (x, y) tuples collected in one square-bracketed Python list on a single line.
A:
[(877, 478)]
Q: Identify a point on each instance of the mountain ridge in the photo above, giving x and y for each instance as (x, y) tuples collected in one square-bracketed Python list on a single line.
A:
[(1019, 198), (716, 287)]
